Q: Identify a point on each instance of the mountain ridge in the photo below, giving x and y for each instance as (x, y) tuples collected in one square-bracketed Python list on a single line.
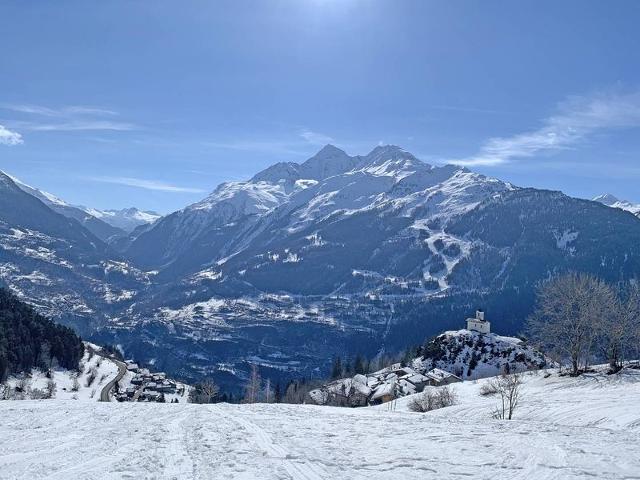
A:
[(285, 271)]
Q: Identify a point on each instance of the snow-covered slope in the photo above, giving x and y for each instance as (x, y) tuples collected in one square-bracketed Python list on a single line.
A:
[(93, 374), (126, 219), (103, 230), (565, 428), (611, 201), (105, 224), (239, 218)]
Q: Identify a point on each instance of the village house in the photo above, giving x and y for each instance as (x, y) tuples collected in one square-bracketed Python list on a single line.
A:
[(132, 366), (438, 377)]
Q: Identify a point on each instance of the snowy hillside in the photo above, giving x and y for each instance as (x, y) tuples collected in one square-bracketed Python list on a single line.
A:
[(99, 377), (93, 375), (611, 201), (565, 428)]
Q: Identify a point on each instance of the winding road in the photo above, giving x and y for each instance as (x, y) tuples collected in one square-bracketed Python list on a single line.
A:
[(105, 394)]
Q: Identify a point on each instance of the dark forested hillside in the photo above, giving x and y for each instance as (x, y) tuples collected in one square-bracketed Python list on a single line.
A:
[(29, 340)]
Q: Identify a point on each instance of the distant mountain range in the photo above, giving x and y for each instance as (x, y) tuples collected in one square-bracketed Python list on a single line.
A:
[(611, 201), (337, 254), (104, 224)]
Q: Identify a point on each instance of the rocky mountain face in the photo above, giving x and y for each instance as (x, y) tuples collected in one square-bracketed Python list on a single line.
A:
[(345, 254)]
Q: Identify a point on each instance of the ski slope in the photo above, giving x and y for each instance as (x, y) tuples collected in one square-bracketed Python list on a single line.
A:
[(566, 428)]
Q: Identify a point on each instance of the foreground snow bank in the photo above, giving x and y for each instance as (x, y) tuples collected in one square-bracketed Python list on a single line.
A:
[(566, 428), (592, 399)]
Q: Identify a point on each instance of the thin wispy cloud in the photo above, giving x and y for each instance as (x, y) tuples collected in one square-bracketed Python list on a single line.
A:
[(68, 118), (145, 184), (79, 125), (576, 119), (9, 137), (65, 111), (315, 138)]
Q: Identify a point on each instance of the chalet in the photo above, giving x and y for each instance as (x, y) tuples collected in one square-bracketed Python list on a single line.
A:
[(418, 380), (384, 393), (438, 377), (406, 387), (166, 387), (479, 324), (152, 396)]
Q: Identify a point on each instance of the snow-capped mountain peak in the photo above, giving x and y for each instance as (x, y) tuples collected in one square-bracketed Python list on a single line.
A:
[(46, 197), (613, 202), (328, 162), (104, 224), (126, 219), (287, 171), (606, 199), (388, 152)]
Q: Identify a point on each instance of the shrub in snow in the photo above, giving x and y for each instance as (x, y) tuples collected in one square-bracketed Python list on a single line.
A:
[(433, 400), (508, 387), (50, 389), (488, 388), (38, 394), (91, 376), (75, 384)]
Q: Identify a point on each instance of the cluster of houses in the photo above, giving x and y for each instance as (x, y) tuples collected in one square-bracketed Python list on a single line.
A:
[(391, 382), (379, 387), (397, 381), (147, 386)]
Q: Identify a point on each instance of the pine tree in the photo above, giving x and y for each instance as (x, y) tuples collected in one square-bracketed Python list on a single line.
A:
[(359, 366), (336, 370)]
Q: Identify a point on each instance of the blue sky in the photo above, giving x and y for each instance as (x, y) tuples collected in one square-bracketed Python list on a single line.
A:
[(152, 104)]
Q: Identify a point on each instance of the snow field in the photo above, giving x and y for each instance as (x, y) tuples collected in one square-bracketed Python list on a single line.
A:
[(566, 428)]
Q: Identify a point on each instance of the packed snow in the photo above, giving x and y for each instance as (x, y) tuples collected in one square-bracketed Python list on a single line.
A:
[(565, 428)]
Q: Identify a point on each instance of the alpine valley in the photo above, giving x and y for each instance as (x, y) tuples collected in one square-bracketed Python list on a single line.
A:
[(359, 254)]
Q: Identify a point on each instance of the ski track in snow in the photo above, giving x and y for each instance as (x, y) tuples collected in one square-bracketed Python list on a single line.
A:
[(565, 429)]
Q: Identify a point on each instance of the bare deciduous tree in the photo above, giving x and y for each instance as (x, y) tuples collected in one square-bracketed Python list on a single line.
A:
[(267, 392), (619, 337), (570, 312), (508, 387), (252, 389), (209, 390), (205, 392)]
